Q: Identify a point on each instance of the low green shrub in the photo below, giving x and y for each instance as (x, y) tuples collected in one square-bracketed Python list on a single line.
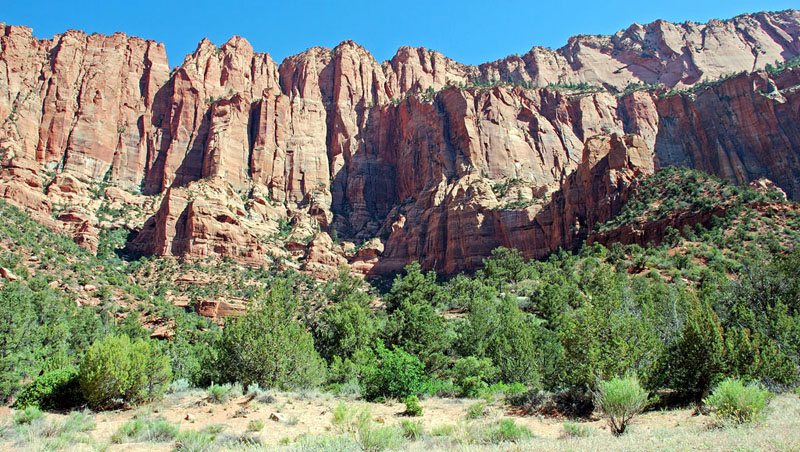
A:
[(179, 386), (193, 441), (733, 401), (577, 430), (145, 429), (255, 425), (56, 390), (28, 415), (620, 399), (412, 430), (443, 430), (219, 393), (343, 416), (373, 437), (476, 410), (413, 408), (506, 430), (213, 429)]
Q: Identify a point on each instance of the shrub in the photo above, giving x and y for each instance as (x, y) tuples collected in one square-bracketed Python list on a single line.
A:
[(572, 403), (577, 430), (115, 370), (413, 408), (28, 415), (58, 434), (394, 373), (219, 393), (734, 401), (476, 410), (368, 435), (56, 390), (269, 346), (343, 416), (372, 437), (145, 429), (473, 375), (260, 395), (412, 430), (506, 431), (443, 430), (620, 399), (213, 429), (255, 426), (193, 441)]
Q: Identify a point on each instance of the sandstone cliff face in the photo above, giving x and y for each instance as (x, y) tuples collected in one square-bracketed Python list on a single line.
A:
[(421, 157), (660, 52), (743, 129)]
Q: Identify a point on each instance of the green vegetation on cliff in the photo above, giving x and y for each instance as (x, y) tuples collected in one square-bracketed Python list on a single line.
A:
[(717, 299)]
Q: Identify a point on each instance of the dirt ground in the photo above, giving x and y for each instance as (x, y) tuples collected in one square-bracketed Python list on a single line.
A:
[(312, 413)]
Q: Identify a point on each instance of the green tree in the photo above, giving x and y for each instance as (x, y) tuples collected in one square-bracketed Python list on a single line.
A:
[(392, 373), (269, 346), (473, 375), (505, 266), (514, 346), (413, 324), (116, 370), (608, 335), (348, 324), (510, 338), (19, 339), (697, 360)]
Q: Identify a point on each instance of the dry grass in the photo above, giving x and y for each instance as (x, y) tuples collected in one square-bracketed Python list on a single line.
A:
[(312, 429)]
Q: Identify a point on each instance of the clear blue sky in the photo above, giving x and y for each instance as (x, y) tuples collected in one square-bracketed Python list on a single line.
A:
[(467, 31)]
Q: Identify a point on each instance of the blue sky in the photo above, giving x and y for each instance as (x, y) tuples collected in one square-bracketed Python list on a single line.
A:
[(467, 31)]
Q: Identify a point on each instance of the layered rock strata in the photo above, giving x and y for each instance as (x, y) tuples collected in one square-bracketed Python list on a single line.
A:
[(416, 158)]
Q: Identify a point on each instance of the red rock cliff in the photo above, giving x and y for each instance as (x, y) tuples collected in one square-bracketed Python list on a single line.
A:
[(436, 159)]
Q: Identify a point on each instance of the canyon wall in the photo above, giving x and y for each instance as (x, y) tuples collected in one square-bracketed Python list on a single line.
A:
[(416, 158)]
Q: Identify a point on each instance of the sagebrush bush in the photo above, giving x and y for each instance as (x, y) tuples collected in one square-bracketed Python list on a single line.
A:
[(219, 393), (56, 390), (412, 430), (620, 399), (371, 436), (577, 430), (736, 402), (116, 370), (145, 429), (255, 425), (28, 415), (476, 410), (343, 416), (193, 441), (506, 430)]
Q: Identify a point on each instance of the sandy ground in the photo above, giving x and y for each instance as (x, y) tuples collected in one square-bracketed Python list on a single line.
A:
[(312, 413)]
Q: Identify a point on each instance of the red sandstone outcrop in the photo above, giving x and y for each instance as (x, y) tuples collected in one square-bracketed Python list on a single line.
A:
[(419, 158), (21, 185)]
